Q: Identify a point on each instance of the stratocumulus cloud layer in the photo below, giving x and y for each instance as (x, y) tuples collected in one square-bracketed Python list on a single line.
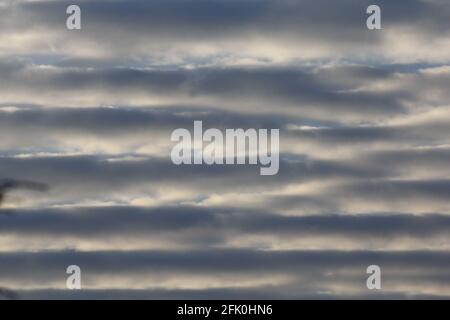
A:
[(364, 175)]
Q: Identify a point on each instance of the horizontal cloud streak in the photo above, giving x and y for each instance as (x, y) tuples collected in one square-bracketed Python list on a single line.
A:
[(191, 226), (202, 29), (334, 271), (256, 90)]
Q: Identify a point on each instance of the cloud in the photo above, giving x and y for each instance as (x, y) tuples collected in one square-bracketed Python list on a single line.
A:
[(10, 185), (121, 178), (262, 90), (261, 293), (335, 272), (197, 227), (8, 294), (363, 118), (199, 30)]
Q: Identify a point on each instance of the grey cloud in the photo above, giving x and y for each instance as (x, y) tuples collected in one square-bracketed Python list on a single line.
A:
[(217, 260), (121, 221), (430, 133), (8, 294), (285, 90), (397, 190), (125, 120), (8, 185), (260, 293), (310, 271), (364, 149), (96, 176), (409, 160), (335, 28), (368, 195)]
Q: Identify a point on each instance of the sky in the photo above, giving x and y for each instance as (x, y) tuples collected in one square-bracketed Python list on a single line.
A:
[(364, 177)]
